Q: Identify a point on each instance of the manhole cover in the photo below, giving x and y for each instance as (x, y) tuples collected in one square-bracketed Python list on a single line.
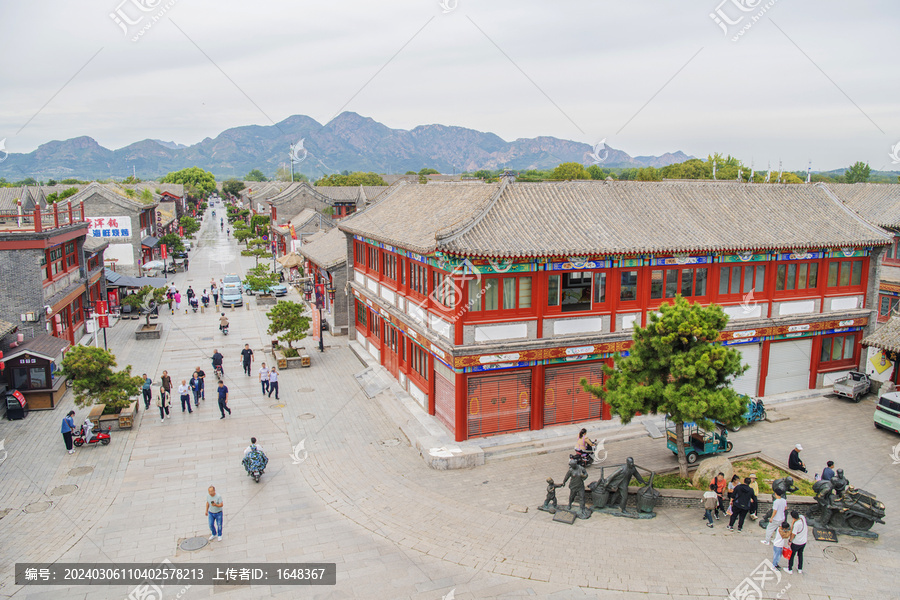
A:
[(62, 490), (277, 406), (194, 543), (306, 390), (840, 554), (37, 507), (5, 512), (80, 471), (307, 416), (206, 339), (390, 442)]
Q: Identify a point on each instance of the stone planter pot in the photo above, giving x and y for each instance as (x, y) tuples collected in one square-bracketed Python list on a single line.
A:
[(153, 331), (289, 363), (266, 300)]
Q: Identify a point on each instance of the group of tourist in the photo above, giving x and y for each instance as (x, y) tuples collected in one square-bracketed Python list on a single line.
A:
[(194, 387)]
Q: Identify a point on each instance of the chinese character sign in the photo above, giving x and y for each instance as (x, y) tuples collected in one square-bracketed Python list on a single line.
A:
[(110, 227)]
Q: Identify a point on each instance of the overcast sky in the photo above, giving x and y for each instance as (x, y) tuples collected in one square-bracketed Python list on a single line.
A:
[(808, 80)]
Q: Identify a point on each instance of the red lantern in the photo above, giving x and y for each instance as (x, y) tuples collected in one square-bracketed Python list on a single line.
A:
[(2, 364)]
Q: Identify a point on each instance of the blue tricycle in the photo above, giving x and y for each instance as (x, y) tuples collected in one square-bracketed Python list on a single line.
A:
[(697, 441), (756, 411)]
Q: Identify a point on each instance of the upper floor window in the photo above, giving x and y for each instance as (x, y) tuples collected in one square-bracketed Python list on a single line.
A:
[(740, 279), (71, 255), (419, 361), (444, 287), (845, 273), (389, 265), (887, 305), (667, 283), (500, 293), (628, 286), (418, 278), (796, 276), (372, 261), (359, 254)]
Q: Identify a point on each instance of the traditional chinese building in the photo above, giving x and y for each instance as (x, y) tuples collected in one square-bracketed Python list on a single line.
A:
[(491, 302), (127, 224), (51, 270), (326, 264)]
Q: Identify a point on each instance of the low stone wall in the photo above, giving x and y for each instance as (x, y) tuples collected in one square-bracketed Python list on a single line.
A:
[(692, 499)]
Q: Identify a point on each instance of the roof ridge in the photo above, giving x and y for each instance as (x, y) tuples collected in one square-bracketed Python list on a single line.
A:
[(821, 185), (475, 219)]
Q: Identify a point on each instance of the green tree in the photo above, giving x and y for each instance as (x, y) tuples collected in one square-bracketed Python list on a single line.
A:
[(287, 319), (569, 171), (357, 178), (128, 180), (857, 173), (677, 367), (428, 171), (173, 242), (260, 224), (259, 250), (197, 182), (242, 234), (57, 196), (94, 381), (145, 299), (255, 175), (189, 225), (596, 172), (261, 279), (146, 196), (232, 187)]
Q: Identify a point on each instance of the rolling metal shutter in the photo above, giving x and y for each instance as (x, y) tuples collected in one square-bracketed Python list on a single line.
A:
[(444, 401), (565, 401), (499, 403), (748, 383), (789, 364)]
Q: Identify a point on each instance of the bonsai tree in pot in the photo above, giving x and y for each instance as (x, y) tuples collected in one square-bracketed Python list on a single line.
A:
[(260, 279), (94, 381), (146, 300), (287, 318)]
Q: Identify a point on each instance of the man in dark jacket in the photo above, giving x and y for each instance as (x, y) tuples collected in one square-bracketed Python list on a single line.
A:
[(742, 499), (794, 462)]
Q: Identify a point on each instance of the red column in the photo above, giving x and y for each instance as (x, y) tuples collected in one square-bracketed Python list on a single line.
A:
[(71, 216), (537, 397), (462, 408), (55, 214), (764, 368), (38, 226), (430, 384)]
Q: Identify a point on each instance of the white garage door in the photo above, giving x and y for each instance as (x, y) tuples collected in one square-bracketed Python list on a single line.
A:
[(789, 364), (748, 383)]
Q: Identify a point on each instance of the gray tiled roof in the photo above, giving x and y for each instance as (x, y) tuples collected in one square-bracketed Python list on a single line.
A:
[(886, 337), (6, 328), (610, 217), (111, 192), (307, 220), (328, 250), (877, 203), (94, 244)]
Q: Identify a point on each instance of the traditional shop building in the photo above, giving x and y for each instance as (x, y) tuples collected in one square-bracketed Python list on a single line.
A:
[(490, 302), (326, 264), (51, 271), (127, 224), (288, 234)]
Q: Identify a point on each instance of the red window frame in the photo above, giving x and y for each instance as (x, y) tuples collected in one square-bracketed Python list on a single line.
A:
[(389, 265), (843, 343), (845, 274), (737, 280), (77, 311), (418, 363), (886, 305), (892, 252), (144, 219), (71, 252), (669, 276), (789, 274), (359, 254), (418, 279), (599, 295), (478, 293), (372, 258), (362, 316)]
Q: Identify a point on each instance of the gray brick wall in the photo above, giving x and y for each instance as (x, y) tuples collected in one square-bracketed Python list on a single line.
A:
[(20, 286)]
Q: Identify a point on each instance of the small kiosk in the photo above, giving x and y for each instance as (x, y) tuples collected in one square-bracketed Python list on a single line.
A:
[(33, 367)]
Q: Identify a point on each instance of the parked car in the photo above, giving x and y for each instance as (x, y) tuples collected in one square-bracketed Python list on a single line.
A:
[(887, 412), (232, 278), (854, 386), (231, 296), (279, 289)]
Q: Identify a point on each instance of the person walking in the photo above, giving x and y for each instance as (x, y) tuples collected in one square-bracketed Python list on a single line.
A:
[(177, 297), (68, 426), (163, 402), (710, 501), (247, 358), (194, 384), (264, 378), (215, 294), (799, 532), (185, 265), (273, 382), (776, 516), (781, 541), (147, 390), (190, 292), (202, 377), (223, 399), (741, 502), (166, 381), (214, 513), (184, 391)]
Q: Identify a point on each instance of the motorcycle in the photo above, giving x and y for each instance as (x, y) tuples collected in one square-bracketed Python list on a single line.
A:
[(585, 458), (219, 372), (205, 300), (194, 304), (101, 437), (255, 464), (224, 329)]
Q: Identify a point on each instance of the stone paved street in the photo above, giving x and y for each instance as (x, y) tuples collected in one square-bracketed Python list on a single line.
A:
[(364, 499)]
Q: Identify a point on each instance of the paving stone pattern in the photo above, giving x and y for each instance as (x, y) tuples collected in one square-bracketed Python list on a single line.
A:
[(395, 528)]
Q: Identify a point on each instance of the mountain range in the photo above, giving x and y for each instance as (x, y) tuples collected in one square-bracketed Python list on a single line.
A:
[(348, 142)]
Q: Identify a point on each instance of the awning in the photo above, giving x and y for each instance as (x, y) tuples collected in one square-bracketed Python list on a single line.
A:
[(149, 241), (114, 279)]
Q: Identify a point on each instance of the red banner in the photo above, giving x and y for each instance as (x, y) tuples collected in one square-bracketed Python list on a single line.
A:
[(163, 250), (317, 324), (18, 396), (293, 231), (101, 307), (180, 231)]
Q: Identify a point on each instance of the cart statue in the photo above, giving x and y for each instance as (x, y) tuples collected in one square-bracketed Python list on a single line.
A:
[(843, 508)]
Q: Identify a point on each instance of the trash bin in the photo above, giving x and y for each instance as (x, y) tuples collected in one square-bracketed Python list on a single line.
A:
[(16, 405)]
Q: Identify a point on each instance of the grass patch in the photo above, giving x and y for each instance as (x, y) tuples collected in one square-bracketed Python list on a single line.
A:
[(765, 475), (672, 481)]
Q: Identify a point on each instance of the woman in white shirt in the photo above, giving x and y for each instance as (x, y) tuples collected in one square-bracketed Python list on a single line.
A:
[(273, 383), (799, 531), (184, 390)]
